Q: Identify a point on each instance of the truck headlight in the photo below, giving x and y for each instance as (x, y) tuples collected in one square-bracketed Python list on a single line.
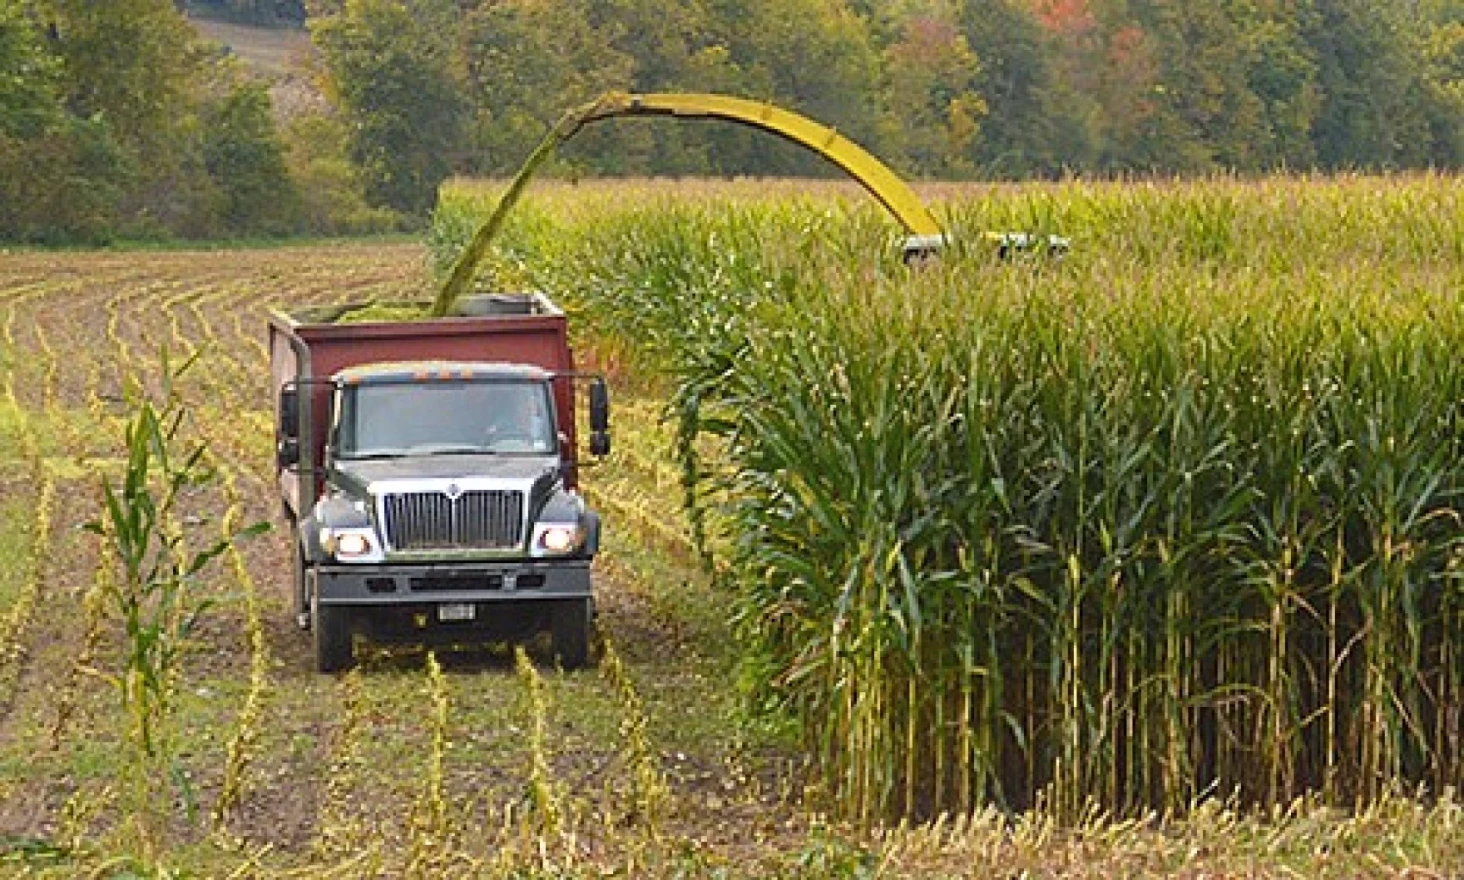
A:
[(350, 545), (557, 538)]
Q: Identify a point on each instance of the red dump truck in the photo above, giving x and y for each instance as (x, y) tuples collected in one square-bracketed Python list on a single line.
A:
[(428, 473)]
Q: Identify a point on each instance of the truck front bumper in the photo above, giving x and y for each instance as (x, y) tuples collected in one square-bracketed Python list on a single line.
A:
[(458, 582)]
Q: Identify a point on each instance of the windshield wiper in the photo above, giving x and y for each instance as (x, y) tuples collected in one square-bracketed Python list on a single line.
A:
[(456, 450), (372, 456)]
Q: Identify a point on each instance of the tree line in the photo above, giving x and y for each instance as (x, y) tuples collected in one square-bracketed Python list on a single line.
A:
[(113, 116), (117, 120), (940, 88)]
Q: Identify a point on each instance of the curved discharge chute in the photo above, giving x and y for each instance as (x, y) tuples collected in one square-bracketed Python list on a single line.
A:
[(924, 234)]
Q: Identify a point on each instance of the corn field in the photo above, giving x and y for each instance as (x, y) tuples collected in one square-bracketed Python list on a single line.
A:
[(1176, 517)]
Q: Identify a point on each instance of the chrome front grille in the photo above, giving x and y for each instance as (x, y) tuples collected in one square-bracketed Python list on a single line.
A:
[(475, 520)]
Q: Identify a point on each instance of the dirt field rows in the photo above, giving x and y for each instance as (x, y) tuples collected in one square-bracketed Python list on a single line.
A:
[(330, 767)]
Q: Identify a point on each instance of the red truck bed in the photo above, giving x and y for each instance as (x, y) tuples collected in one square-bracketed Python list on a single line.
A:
[(308, 344)]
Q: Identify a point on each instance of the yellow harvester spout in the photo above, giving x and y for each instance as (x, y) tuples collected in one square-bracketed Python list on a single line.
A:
[(924, 233)]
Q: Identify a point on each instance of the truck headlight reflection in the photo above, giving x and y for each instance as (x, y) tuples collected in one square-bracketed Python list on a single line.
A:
[(343, 545), (558, 538)]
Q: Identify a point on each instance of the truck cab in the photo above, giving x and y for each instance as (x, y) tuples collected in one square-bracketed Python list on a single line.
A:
[(434, 500)]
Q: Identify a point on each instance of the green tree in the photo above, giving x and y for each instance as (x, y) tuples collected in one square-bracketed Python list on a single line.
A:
[(1445, 59), (244, 154), (59, 176), (527, 61), (1218, 121), (28, 76), (1138, 133), (132, 65), (130, 62), (1371, 73), (389, 67), (1283, 77), (1028, 128), (669, 47), (332, 192), (813, 56), (934, 103), (1076, 40)]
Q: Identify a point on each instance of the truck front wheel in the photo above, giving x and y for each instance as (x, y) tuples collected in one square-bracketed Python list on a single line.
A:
[(571, 633), (332, 630), (301, 599)]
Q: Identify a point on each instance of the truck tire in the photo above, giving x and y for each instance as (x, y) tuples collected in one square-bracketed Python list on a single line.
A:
[(332, 629), (300, 599), (570, 633)]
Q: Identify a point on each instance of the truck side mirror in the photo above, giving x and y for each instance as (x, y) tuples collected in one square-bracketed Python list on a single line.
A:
[(287, 448), (599, 418), (287, 454), (600, 443), (289, 427), (599, 405)]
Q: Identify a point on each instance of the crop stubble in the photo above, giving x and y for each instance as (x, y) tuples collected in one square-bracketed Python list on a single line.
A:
[(260, 730)]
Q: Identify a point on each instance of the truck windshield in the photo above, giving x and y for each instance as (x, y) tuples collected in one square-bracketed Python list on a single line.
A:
[(443, 417)]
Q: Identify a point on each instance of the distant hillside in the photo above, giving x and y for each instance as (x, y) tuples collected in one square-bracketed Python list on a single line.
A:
[(275, 53), (281, 56)]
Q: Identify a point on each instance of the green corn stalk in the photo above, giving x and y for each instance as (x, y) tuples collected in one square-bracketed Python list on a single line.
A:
[(154, 599), (652, 795), (246, 732), (431, 832), (341, 830), (543, 791)]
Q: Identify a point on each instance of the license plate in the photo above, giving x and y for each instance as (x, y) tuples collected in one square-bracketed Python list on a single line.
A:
[(456, 611)]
